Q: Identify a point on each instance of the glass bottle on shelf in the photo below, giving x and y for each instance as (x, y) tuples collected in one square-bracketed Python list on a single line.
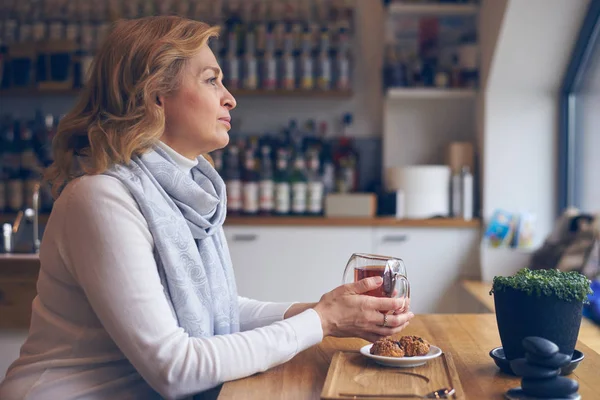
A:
[(342, 61), (4, 122), (315, 184), (15, 186), (233, 180), (25, 23), (267, 183), (346, 159), (132, 9), (282, 184), (87, 42), (31, 171), (232, 61), (324, 62), (269, 64), (250, 75), (9, 34), (299, 186), (288, 63), (250, 183), (261, 28), (327, 160), (307, 63)]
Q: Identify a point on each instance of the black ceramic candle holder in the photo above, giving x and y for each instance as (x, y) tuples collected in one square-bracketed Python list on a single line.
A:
[(540, 370)]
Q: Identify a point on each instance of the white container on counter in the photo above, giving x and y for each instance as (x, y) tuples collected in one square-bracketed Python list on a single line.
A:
[(426, 189)]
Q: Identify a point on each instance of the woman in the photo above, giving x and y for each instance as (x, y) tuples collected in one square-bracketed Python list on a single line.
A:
[(136, 293)]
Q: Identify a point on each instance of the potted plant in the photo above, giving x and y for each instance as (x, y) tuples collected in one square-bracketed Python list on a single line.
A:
[(544, 303)]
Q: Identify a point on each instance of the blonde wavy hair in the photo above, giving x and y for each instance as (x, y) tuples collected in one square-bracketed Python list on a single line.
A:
[(117, 115)]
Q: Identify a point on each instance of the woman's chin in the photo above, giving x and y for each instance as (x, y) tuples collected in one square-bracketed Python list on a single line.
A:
[(222, 139)]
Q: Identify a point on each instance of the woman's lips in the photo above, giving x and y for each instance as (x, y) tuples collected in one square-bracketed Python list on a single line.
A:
[(226, 121)]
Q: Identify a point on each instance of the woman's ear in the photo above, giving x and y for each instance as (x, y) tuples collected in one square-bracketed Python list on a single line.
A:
[(159, 100)]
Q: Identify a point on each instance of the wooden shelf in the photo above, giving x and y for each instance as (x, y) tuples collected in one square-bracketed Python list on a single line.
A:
[(312, 94), (341, 221), (433, 9), (10, 218), (30, 92), (325, 94), (430, 94), (322, 221)]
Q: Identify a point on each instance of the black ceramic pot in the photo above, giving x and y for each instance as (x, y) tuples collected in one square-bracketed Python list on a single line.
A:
[(519, 315)]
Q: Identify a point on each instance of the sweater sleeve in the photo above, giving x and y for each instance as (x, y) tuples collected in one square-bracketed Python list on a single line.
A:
[(109, 250), (256, 314)]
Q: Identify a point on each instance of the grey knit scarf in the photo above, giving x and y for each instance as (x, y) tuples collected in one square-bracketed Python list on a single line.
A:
[(185, 215)]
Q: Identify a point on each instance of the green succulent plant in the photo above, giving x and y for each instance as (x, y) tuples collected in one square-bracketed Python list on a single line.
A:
[(567, 286)]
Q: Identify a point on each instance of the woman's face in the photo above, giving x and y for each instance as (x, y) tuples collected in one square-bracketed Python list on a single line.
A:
[(197, 114)]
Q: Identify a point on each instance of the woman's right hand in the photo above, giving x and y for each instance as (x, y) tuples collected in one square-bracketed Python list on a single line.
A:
[(347, 312)]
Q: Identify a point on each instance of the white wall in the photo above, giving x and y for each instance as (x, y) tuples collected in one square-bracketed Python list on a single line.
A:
[(589, 188), (588, 120), (520, 118)]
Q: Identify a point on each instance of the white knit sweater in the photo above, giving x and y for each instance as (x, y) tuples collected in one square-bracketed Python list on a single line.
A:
[(101, 326)]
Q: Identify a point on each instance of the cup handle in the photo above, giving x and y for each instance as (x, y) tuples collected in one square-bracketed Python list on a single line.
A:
[(406, 291)]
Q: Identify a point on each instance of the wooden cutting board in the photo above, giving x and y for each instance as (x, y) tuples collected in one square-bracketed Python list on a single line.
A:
[(354, 373)]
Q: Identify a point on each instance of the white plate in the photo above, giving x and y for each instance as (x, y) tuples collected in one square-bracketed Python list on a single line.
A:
[(402, 362)]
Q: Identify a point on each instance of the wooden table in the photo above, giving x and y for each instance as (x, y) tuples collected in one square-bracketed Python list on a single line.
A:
[(468, 337), (589, 333)]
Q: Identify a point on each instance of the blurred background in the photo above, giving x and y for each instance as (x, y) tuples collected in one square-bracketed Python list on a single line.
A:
[(449, 133)]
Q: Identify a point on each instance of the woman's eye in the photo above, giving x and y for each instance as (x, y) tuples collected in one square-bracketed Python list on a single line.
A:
[(213, 81)]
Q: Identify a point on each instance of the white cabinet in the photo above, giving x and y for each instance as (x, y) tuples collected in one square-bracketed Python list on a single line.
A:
[(436, 260), (292, 263), (303, 263)]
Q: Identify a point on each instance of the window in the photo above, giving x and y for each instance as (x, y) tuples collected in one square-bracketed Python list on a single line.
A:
[(579, 138)]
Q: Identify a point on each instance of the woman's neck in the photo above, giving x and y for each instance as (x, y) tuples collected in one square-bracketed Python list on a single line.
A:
[(184, 163)]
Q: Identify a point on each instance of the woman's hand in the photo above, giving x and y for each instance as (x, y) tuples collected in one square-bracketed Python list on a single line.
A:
[(345, 312)]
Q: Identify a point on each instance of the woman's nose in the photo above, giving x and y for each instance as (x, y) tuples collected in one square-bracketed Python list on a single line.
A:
[(228, 100)]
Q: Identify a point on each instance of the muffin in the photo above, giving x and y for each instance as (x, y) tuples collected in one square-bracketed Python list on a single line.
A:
[(413, 346), (387, 348)]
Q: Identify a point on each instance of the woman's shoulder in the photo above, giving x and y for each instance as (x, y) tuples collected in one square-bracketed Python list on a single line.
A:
[(95, 192), (91, 186)]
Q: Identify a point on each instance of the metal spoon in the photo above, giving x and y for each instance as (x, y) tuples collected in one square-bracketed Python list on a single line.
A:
[(443, 393)]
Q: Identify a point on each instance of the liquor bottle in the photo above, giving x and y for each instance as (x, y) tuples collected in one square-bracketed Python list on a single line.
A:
[(3, 170), (267, 183), (10, 38), (282, 184), (342, 62), (299, 186), (184, 9), (103, 22), (165, 7), (324, 62), (277, 25), (132, 9), (262, 27), (217, 157), (307, 81), (87, 40), (14, 187), (250, 183), (31, 171), (346, 159), (288, 64), (327, 160), (315, 184), (250, 75), (25, 23), (232, 61), (269, 74), (233, 180), (467, 193)]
